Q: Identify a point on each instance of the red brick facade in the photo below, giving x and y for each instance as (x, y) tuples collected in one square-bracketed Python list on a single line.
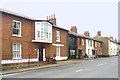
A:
[(29, 48)]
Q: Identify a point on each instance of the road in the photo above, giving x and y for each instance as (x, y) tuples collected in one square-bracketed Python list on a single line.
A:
[(97, 68)]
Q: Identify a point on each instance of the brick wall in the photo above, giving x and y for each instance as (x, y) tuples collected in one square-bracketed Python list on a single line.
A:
[(27, 33)]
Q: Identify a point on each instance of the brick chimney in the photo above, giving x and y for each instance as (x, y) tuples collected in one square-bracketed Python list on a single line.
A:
[(99, 33), (52, 19), (73, 29), (87, 34)]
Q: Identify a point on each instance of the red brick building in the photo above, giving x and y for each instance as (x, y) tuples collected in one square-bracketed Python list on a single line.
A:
[(98, 44), (25, 38)]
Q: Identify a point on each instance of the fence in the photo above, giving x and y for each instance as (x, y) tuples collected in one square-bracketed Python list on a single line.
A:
[(26, 60)]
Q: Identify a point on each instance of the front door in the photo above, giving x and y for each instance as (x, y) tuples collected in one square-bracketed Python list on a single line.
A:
[(41, 52), (93, 52), (80, 52)]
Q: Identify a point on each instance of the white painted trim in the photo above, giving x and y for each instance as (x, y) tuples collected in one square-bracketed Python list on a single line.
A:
[(58, 44), (18, 61), (61, 58), (43, 41), (44, 59)]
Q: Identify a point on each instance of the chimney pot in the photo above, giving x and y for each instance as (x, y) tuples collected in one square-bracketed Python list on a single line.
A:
[(99, 33), (47, 18), (52, 19), (86, 33), (73, 29), (54, 16)]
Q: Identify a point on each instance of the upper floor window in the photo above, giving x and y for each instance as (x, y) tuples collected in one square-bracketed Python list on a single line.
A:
[(95, 44), (72, 40), (82, 41), (90, 43), (16, 28), (43, 31), (57, 35)]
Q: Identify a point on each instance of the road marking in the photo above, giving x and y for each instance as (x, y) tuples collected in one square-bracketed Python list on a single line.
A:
[(106, 63), (99, 65), (79, 70), (87, 70)]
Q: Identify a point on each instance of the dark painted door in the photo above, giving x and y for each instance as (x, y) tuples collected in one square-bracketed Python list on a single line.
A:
[(40, 53), (79, 54)]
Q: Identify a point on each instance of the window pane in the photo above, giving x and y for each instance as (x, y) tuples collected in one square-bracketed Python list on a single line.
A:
[(38, 33), (17, 25), (16, 31), (57, 35), (42, 31), (14, 47), (18, 47), (14, 25)]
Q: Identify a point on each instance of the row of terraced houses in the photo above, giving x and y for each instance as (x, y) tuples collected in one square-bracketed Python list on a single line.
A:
[(24, 37)]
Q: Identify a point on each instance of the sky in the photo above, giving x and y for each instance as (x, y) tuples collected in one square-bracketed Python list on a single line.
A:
[(87, 15)]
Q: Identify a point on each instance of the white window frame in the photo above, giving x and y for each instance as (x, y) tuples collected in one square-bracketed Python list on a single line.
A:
[(57, 52), (16, 50), (19, 35), (58, 35), (39, 27)]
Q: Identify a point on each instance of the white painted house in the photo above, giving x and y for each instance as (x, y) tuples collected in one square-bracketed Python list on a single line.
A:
[(89, 47), (89, 44), (112, 47)]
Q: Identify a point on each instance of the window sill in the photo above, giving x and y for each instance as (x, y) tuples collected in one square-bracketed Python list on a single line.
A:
[(57, 56), (17, 58), (16, 35)]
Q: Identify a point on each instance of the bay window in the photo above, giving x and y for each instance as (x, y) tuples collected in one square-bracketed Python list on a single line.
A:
[(43, 32)]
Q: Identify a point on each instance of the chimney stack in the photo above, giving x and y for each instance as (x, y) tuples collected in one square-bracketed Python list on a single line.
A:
[(87, 34), (73, 29), (52, 19), (99, 33)]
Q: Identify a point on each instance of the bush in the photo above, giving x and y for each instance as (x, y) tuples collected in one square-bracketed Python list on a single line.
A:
[(103, 55)]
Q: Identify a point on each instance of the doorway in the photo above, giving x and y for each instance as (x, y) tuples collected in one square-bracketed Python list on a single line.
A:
[(41, 54), (80, 53)]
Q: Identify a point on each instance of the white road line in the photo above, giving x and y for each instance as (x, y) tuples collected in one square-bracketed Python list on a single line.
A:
[(87, 70), (99, 65), (106, 63), (79, 70)]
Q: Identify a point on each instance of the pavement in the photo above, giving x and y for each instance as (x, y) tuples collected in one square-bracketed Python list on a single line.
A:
[(59, 63), (96, 68)]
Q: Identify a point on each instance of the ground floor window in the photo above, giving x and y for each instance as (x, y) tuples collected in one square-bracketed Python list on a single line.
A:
[(57, 50), (88, 51), (16, 51), (72, 52)]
